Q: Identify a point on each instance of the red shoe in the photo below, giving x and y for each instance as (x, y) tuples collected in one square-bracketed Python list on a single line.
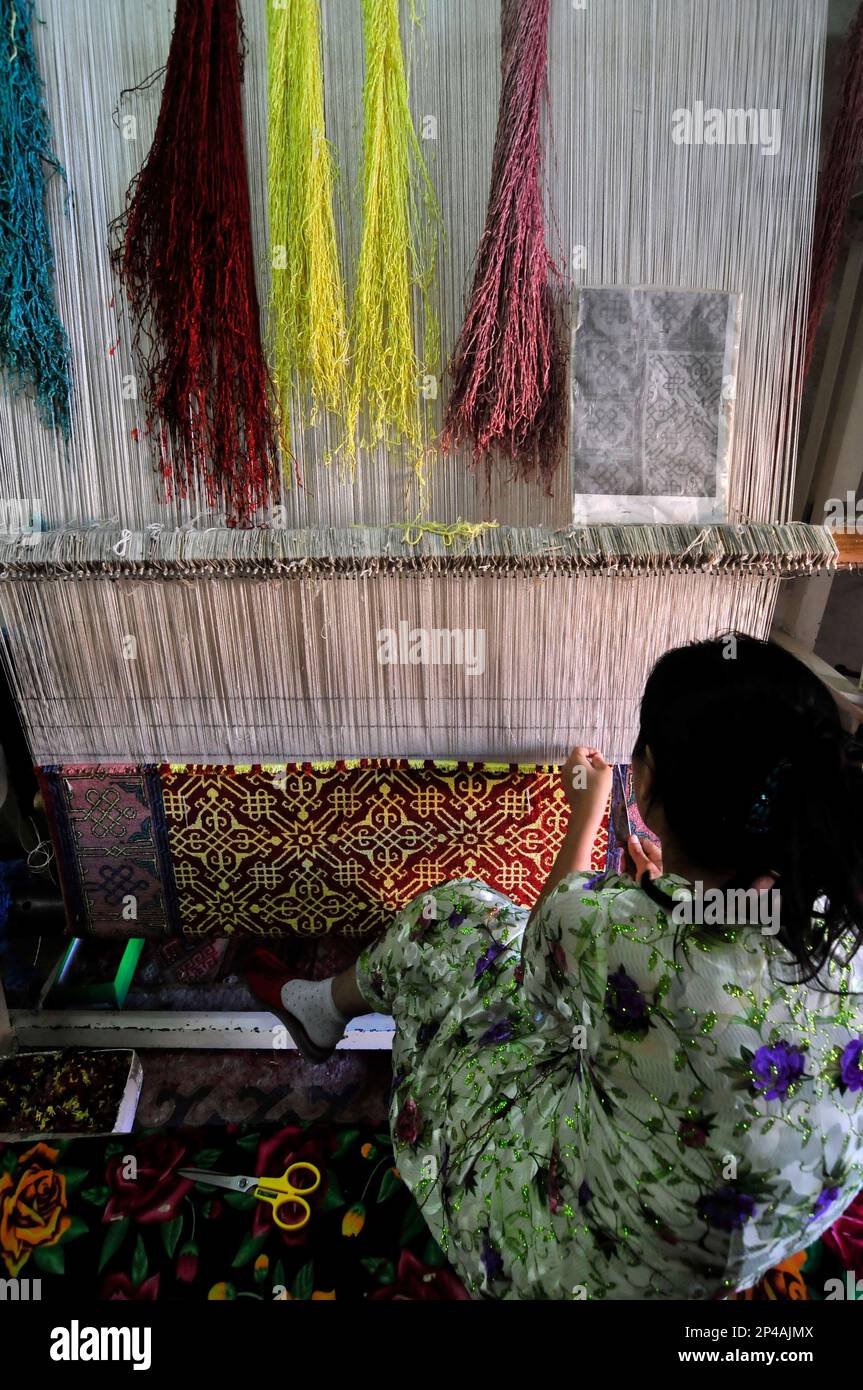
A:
[(265, 975)]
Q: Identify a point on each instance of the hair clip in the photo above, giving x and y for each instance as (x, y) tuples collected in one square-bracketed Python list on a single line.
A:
[(758, 820)]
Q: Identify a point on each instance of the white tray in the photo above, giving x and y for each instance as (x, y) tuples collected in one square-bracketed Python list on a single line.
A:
[(125, 1111)]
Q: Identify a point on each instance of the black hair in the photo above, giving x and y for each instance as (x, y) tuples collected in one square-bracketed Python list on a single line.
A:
[(755, 774)]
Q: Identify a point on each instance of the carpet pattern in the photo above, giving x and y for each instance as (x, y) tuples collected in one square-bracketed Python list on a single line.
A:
[(297, 849), (79, 1214), (110, 839)]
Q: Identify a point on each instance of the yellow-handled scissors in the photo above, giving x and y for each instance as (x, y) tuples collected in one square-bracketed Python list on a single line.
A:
[(289, 1192)]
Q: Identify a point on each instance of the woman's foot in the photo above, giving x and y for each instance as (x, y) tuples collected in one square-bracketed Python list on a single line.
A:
[(305, 1007)]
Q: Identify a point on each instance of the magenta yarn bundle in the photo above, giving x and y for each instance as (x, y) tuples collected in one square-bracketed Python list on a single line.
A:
[(509, 367), (837, 181)]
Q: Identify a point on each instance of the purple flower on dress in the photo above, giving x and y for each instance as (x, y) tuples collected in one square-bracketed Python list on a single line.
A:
[(694, 1131), (488, 958), (456, 917), (492, 1261), (625, 1004), (558, 962), (584, 1193), (590, 883), (407, 1125), (499, 1032), (552, 1181), (726, 1209), (776, 1068), (851, 1065), (825, 1201)]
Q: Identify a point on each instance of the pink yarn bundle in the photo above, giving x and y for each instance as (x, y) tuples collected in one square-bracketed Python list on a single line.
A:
[(509, 367), (838, 179)]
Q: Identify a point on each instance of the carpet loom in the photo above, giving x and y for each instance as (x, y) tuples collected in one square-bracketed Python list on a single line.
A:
[(144, 631)]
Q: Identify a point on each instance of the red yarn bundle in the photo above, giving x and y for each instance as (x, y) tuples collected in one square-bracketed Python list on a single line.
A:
[(509, 368), (837, 180), (185, 258)]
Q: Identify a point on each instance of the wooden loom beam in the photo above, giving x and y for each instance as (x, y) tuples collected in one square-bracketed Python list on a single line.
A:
[(850, 547), (105, 553)]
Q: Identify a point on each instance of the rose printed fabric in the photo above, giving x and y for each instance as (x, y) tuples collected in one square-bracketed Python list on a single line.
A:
[(603, 1107), (78, 1215), (72, 1216)]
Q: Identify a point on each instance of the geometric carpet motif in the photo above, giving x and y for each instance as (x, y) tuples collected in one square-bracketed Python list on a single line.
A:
[(295, 850), (310, 850), (111, 848)]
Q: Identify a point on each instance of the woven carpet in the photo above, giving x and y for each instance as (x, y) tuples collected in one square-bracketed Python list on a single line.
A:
[(305, 850), (72, 1216)]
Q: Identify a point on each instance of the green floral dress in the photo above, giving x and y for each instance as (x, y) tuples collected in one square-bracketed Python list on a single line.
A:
[(610, 1106)]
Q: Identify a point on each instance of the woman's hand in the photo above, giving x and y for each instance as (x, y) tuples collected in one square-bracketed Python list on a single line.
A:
[(586, 778), (642, 856)]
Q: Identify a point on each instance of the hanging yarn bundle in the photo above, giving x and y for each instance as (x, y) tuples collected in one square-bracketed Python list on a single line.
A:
[(401, 220), (308, 317), (186, 260), (509, 391), (34, 348), (838, 179)]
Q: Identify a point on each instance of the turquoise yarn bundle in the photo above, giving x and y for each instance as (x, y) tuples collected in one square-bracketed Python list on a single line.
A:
[(34, 346)]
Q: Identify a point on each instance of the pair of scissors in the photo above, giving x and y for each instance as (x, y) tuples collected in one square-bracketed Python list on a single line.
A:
[(288, 1192)]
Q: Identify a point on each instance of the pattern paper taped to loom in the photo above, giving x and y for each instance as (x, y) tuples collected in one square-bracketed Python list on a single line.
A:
[(653, 374)]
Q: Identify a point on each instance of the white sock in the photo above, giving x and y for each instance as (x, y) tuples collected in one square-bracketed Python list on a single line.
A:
[(311, 1001)]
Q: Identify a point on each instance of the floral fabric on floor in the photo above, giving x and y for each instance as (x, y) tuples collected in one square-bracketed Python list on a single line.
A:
[(71, 1215)]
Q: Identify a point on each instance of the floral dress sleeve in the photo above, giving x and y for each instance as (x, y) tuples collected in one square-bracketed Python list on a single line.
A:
[(564, 961)]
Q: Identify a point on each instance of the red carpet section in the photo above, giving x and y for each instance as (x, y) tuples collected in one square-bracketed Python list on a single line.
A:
[(293, 850)]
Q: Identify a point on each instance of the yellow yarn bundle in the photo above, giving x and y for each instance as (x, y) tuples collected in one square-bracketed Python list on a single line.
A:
[(308, 319), (401, 221)]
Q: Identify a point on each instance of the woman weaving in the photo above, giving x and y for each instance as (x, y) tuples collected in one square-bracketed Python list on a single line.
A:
[(593, 1101)]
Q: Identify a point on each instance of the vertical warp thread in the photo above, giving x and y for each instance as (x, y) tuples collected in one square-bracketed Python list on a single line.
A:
[(837, 180), (185, 258), (34, 347), (307, 312), (509, 391), (401, 221)]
